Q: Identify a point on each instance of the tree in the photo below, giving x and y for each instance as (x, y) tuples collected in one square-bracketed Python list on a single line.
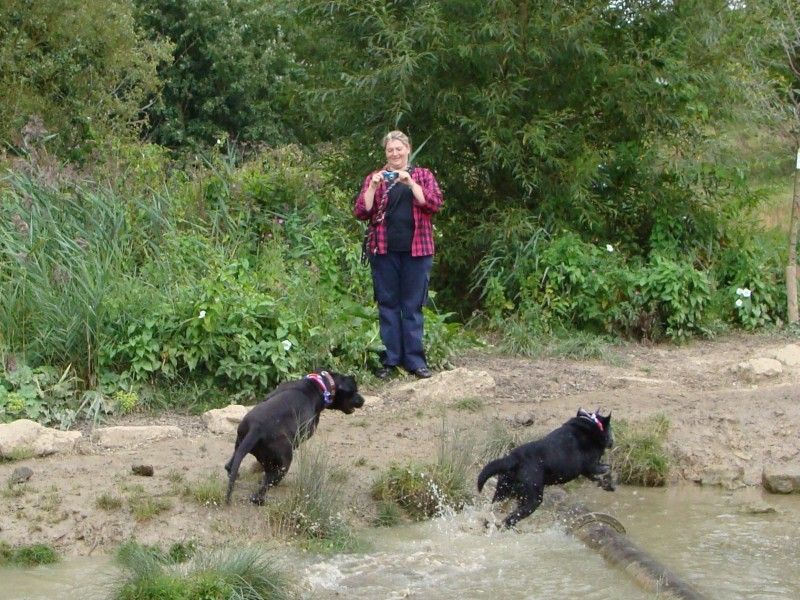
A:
[(593, 116), (231, 73), (83, 68), (788, 22)]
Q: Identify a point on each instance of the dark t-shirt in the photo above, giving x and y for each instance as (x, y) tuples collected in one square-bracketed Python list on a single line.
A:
[(400, 219)]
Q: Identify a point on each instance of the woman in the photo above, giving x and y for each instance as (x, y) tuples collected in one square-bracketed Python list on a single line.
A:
[(398, 200)]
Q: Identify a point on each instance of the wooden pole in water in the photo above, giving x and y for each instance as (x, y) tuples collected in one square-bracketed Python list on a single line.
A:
[(607, 536)]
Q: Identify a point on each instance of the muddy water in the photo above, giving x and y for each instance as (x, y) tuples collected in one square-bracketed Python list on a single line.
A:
[(711, 538), (77, 578)]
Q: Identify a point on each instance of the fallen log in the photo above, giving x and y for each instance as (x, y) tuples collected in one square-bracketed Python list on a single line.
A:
[(606, 535)]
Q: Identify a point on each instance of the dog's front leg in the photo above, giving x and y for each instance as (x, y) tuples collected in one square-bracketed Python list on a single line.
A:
[(603, 476)]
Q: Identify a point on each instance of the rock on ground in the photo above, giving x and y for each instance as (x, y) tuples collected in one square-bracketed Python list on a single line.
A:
[(26, 436)]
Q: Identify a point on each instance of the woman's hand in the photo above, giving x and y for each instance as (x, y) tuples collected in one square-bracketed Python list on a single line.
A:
[(404, 177), (375, 181)]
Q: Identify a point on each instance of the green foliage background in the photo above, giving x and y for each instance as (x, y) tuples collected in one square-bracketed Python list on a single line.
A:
[(175, 214)]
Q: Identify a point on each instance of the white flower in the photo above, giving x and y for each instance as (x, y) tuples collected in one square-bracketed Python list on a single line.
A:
[(609, 247), (202, 315), (738, 291), (287, 345), (746, 293), (219, 142), (739, 303)]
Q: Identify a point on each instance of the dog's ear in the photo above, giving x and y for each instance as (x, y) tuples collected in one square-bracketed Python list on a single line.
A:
[(345, 383)]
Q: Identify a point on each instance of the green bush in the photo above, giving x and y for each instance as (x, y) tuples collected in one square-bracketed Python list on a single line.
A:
[(639, 456), (185, 574), (28, 556), (574, 285), (312, 509), (425, 491)]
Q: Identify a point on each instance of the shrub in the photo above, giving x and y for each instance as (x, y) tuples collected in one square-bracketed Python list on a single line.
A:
[(28, 556), (425, 491), (639, 456), (108, 502), (312, 508), (207, 491), (150, 574)]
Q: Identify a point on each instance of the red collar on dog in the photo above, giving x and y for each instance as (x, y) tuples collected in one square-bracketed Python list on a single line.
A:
[(593, 418), (328, 389)]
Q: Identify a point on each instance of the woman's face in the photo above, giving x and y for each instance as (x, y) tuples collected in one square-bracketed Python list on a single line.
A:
[(397, 154)]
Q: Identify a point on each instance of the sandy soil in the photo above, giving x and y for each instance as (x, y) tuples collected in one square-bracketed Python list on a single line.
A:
[(721, 421)]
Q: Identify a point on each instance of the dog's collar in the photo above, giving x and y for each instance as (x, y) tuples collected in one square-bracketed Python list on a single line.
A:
[(592, 417), (328, 388)]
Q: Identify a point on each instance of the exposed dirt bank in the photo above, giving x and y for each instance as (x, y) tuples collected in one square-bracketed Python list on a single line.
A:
[(722, 421)]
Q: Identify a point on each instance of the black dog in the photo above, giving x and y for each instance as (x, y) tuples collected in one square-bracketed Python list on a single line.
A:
[(562, 455), (286, 417)]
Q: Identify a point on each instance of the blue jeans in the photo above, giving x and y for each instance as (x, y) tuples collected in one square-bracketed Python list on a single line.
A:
[(400, 282)]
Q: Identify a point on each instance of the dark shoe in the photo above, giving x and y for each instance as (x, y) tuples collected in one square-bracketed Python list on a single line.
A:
[(422, 373), (384, 372)]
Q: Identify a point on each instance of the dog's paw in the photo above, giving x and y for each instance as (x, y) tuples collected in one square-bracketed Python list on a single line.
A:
[(258, 500), (607, 483)]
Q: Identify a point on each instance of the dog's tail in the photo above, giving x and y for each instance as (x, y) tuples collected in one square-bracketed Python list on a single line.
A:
[(496, 467), (242, 450)]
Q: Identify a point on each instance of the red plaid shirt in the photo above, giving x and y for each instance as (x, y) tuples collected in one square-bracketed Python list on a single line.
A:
[(422, 242)]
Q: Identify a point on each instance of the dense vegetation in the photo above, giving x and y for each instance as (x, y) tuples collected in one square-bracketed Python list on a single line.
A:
[(175, 219)]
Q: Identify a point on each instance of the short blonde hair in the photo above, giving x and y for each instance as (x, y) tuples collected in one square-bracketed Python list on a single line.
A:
[(396, 135)]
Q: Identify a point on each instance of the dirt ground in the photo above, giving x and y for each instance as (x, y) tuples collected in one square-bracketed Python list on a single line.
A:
[(722, 421)]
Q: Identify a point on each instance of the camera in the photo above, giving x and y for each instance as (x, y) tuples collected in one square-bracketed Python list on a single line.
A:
[(389, 175)]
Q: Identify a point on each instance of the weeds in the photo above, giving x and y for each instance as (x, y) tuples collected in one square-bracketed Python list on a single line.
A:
[(108, 502), (425, 491), (208, 491), (28, 556), (246, 573), (639, 456), (312, 508), (143, 508), (18, 453), (470, 404)]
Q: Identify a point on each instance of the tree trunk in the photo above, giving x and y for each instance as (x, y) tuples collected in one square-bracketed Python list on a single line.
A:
[(791, 267)]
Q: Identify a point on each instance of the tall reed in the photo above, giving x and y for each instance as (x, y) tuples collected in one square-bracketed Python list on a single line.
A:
[(60, 249)]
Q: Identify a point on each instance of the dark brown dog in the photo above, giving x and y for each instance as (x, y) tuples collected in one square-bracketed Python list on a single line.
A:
[(286, 417)]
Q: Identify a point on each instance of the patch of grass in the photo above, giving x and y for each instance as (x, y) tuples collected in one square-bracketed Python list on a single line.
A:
[(219, 574), (389, 514), (27, 556), (208, 491), (639, 456), (16, 490), (312, 508), (425, 491), (108, 502), (519, 339), (496, 440), (360, 462), (144, 508), (471, 404), (20, 453), (50, 500), (175, 477)]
